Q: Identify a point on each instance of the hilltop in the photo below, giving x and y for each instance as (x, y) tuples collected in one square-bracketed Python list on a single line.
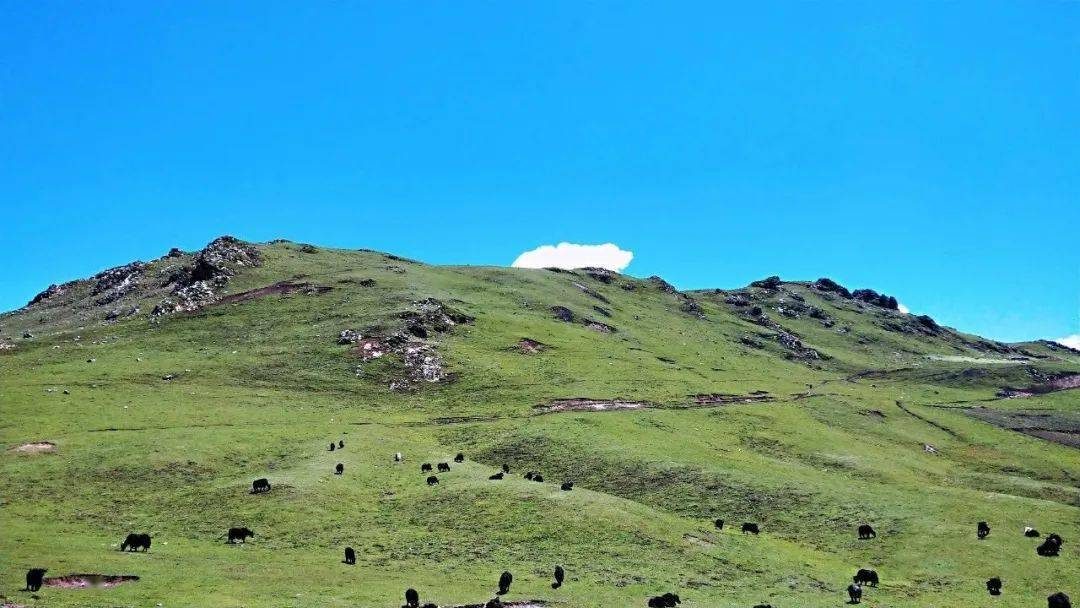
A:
[(147, 397)]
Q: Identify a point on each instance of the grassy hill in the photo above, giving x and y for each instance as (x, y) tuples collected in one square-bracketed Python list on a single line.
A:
[(147, 398)]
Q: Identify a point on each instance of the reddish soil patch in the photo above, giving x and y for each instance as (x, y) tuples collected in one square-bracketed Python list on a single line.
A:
[(1060, 383), (284, 287), (581, 404), (35, 447), (87, 581)]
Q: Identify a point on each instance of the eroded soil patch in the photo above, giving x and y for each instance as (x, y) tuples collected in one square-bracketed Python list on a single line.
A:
[(87, 581), (1060, 383), (1058, 427), (726, 398), (35, 447), (582, 404)]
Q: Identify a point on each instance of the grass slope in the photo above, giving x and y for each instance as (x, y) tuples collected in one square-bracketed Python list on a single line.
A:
[(261, 387)]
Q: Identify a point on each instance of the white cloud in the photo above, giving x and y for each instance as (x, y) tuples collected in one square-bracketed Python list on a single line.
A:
[(902, 308), (1072, 341), (572, 255)]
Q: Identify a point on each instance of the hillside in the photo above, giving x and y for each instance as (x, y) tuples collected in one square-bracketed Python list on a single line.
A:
[(147, 399)]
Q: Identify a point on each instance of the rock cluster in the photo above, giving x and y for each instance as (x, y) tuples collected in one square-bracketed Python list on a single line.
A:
[(422, 362), (213, 266)]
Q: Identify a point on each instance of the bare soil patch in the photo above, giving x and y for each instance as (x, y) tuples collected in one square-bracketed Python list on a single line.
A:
[(1058, 427), (726, 398), (530, 346), (35, 447), (1060, 383), (87, 581), (583, 404)]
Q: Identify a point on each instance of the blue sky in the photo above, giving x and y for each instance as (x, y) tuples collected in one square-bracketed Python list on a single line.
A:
[(928, 150)]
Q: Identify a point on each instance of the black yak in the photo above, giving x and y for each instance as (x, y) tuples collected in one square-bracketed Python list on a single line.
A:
[(854, 592), (994, 586), (983, 530), (239, 534), (567, 485), (866, 577), (339, 469), (719, 523), (459, 458), (504, 582), (560, 574), (749, 528), (350, 556), (340, 443), (1050, 547), (134, 542), (425, 468), (34, 578), (1058, 600), (432, 480), (1031, 532), (529, 475), (260, 485), (538, 478), (444, 467), (496, 476), (866, 532), (412, 598), (506, 468), (332, 446)]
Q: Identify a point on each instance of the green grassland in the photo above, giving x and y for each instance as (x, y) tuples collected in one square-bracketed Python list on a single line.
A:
[(261, 386)]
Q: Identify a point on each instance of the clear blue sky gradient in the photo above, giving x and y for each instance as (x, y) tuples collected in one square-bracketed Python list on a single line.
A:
[(928, 150)]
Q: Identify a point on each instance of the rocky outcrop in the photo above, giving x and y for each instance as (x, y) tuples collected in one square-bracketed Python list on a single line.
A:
[(877, 299), (772, 282), (830, 286), (411, 343), (115, 283), (50, 292), (213, 267)]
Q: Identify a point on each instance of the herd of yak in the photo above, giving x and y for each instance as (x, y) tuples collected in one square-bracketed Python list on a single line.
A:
[(1050, 547)]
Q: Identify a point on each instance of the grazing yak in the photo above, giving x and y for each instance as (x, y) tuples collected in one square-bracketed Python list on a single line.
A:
[(350, 556), (664, 601), (560, 574), (854, 592), (340, 443), (506, 468), (749, 528), (34, 578), (1031, 532), (866, 577), (529, 475), (538, 478), (332, 446), (260, 485), (412, 598), (1058, 600), (498, 475), (866, 531), (134, 542), (339, 469), (1050, 547), (239, 534), (719, 523), (983, 530), (504, 582), (994, 586), (425, 468), (459, 458), (444, 467), (567, 485), (432, 480)]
